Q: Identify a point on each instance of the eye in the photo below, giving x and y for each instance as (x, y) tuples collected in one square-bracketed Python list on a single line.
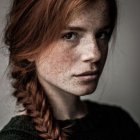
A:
[(104, 35), (70, 36)]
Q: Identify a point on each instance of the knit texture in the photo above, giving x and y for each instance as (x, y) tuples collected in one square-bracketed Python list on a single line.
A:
[(103, 122)]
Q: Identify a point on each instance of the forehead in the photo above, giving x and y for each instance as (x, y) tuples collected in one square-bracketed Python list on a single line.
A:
[(96, 13)]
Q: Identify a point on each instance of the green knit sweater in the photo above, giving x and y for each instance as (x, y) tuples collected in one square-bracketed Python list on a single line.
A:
[(103, 122)]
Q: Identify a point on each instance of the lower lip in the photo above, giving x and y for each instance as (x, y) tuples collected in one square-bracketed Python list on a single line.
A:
[(87, 77)]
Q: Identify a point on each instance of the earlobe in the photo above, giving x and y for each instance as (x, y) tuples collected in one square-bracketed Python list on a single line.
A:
[(31, 59)]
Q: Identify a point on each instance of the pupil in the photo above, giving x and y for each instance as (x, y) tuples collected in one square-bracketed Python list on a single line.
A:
[(69, 35)]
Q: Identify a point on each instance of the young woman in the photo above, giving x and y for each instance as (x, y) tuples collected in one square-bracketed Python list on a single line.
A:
[(58, 49)]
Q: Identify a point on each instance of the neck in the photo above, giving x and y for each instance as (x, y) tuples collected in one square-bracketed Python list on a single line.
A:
[(65, 105), (68, 108)]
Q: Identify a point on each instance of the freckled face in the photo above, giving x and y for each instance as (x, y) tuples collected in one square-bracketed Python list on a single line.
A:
[(69, 65)]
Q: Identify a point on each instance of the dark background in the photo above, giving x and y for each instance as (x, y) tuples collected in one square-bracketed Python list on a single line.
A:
[(120, 82)]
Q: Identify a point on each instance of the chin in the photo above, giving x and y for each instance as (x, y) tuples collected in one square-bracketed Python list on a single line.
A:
[(86, 91), (89, 92)]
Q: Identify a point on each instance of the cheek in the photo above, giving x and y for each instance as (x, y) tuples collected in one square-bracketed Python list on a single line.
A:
[(104, 53), (56, 63), (63, 61), (103, 47)]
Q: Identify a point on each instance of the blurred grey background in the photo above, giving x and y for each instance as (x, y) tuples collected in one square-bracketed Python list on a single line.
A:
[(120, 82)]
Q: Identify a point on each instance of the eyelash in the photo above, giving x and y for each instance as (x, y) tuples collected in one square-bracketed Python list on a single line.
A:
[(104, 35), (74, 36), (70, 36)]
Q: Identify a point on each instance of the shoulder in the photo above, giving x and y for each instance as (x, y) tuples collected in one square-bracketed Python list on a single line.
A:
[(114, 117), (106, 109), (113, 112), (19, 128)]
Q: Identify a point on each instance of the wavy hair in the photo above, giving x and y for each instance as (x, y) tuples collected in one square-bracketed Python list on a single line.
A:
[(31, 23)]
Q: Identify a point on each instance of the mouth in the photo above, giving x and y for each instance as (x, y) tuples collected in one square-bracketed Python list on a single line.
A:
[(88, 76)]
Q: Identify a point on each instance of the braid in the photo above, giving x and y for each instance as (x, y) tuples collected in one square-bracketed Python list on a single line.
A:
[(32, 25), (32, 96)]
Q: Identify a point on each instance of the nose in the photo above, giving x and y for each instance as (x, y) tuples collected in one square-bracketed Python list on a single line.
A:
[(91, 52)]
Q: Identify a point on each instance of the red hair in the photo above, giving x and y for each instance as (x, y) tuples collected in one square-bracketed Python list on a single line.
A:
[(31, 23)]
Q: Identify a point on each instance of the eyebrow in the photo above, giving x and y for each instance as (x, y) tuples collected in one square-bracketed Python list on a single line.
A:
[(76, 28), (82, 29), (108, 26)]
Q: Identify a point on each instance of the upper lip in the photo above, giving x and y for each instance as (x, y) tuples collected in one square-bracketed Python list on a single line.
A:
[(88, 73)]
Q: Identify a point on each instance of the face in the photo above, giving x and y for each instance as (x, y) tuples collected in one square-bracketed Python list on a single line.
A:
[(73, 64)]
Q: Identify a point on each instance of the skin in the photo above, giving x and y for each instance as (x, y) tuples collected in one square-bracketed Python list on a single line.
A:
[(76, 51)]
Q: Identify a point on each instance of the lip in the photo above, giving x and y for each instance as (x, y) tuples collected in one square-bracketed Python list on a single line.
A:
[(88, 75)]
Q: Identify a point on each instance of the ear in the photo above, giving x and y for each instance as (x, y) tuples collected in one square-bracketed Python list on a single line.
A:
[(31, 59)]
